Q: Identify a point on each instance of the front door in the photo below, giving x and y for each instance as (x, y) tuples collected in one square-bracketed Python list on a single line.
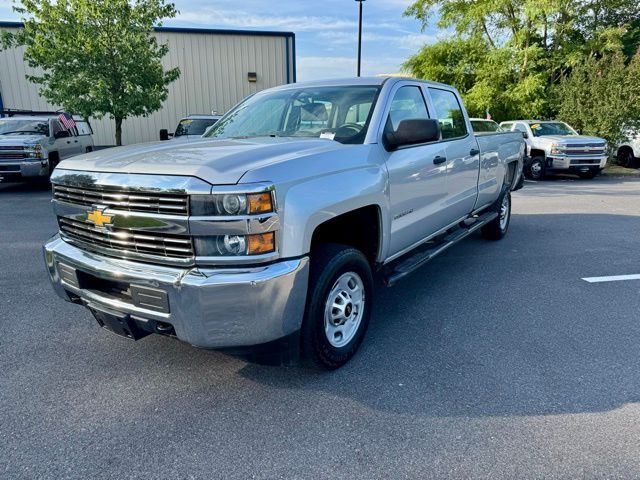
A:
[(417, 176)]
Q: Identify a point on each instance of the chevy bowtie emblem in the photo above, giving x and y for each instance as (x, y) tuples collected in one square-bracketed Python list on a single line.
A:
[(98, 218)]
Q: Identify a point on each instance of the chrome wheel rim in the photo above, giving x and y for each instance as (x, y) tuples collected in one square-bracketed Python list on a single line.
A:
[(536, 169), (344, 309), (504, 212)]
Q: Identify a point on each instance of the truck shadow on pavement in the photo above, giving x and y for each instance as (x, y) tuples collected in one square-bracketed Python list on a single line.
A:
[(500, 329)]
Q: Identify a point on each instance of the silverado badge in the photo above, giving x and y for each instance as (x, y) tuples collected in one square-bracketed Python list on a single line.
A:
[(98, 218)]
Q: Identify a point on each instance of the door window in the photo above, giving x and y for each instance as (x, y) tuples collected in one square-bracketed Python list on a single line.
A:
[(56, 128), (408, 103), (521, 128), (449, 113)]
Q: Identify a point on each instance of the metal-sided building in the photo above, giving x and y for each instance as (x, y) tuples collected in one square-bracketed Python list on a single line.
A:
[(218, 69)]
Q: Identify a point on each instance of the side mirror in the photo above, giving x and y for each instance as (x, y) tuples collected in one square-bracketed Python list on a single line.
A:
[(164, 134), (525, 135), (62, 134), (579, 130), (412, 132)]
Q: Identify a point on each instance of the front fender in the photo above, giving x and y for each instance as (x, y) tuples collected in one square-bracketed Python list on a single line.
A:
[(316, 200)]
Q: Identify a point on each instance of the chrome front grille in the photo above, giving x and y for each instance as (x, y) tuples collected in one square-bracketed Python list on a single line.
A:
[(124, 241), (124, 200), (585, 149), (12, 153)]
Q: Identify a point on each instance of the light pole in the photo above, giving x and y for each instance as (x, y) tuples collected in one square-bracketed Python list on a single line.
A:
[(360, 34)]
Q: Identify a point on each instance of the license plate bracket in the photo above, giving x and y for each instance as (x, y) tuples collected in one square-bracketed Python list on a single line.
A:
[(119, 323)]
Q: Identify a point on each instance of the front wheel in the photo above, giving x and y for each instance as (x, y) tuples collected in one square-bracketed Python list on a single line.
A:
[(536, 168), (338, 306)]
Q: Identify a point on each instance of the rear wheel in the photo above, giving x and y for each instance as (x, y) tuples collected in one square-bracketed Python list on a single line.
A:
[(497, 228), (338, 305), (536, 168)]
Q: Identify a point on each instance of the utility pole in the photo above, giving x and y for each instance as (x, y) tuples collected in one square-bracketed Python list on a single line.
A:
[(360, 35)]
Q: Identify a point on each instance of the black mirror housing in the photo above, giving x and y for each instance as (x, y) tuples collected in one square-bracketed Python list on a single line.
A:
[(412, 132), (164, 134)]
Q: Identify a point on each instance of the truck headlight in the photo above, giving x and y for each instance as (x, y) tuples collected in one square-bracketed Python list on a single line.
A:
[(34, 151), (230, 204), (557, 149), (235, 245)]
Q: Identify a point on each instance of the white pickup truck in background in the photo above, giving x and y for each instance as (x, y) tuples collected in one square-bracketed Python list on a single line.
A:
[(33, 143), (554, 146)]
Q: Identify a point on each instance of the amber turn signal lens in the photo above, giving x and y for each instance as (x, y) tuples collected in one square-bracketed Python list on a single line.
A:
[(261, 243), (260, 203)]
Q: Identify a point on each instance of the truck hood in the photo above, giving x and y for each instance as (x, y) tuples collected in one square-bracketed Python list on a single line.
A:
[(18, 140), (570, 139), (219, 162)]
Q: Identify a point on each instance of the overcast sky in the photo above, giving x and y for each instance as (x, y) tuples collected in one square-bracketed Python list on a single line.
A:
[(326, 30)]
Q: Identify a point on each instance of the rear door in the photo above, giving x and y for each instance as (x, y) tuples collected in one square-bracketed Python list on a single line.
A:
[(461, 150), (417, 177)]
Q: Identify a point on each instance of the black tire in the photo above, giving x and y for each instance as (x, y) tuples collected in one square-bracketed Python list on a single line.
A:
[(625, 157), (496, 229), (330, 263), (53, 162), (536, 168), (88, 150)]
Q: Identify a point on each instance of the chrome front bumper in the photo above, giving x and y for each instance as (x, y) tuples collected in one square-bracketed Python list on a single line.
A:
[(207, 307), (561, 162), (25, 168)]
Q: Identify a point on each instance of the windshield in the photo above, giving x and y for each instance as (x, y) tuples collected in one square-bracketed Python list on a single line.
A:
[(24, 127), (482, 126), (551, 128), (193, 126), (337, 113)]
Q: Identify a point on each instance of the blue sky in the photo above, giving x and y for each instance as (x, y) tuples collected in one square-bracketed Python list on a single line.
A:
[(326, 30)]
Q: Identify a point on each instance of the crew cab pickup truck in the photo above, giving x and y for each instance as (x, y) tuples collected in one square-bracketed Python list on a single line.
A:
[(556, 147), (31, 144), (266, 234)]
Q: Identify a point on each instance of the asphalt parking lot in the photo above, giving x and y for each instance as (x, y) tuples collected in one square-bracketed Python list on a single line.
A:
[(496, 360)]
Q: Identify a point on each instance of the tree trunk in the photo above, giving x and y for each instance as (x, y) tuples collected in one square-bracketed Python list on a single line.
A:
[(118, 131)]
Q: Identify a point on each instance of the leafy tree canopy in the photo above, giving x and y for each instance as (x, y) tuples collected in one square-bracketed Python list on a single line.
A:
[(97, 57), (505, 55)]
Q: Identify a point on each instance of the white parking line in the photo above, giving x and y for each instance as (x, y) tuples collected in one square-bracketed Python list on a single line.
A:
[(614, 278)]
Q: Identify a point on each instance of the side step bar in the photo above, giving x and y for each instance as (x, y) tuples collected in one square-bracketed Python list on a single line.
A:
[(421, 255)]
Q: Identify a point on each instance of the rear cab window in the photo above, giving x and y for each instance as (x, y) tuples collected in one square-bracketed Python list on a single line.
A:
[(449, 113)]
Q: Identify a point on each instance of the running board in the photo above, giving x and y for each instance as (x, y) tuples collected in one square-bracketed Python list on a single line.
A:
[(422, 254)]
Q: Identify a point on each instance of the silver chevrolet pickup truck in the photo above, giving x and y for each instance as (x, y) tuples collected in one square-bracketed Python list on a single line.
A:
[(266, 237)]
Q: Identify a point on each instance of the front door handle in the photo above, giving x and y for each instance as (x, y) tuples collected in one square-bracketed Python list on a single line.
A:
[(474, 152), (439, 159), (68, 141)]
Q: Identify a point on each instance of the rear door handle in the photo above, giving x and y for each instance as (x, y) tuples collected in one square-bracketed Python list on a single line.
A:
[(474, 152), (439, 159)]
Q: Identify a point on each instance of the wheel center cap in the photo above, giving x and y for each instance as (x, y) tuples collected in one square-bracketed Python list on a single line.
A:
[(348, 309)]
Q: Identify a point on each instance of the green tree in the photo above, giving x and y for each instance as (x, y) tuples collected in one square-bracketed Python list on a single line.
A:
[(513, 52), (601, 97), (97, 57)]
